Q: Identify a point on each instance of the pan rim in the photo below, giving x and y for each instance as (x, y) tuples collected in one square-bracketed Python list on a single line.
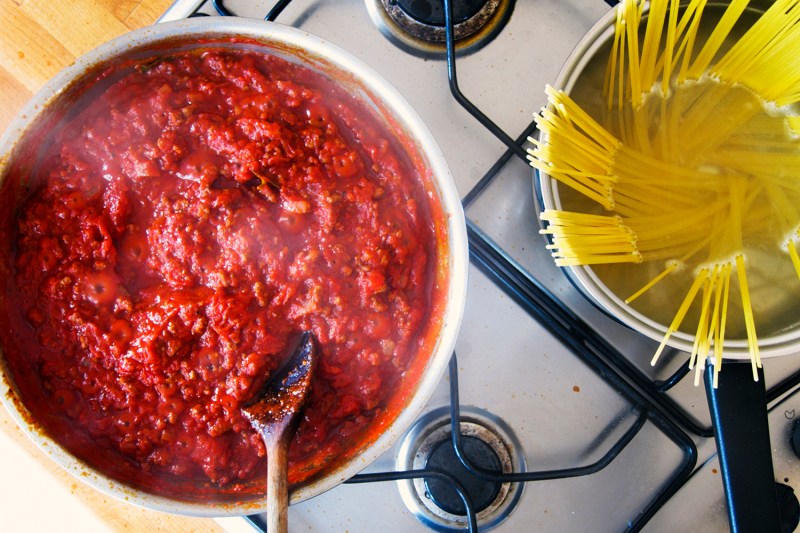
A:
[(454, 297)]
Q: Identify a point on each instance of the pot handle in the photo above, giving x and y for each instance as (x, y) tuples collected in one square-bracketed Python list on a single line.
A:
[(741, 430)]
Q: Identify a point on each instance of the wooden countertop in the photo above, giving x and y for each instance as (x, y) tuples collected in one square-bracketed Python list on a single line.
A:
[(39, 38)]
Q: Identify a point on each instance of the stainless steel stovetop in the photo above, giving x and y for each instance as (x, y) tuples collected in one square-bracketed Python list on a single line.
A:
[(533, 357)]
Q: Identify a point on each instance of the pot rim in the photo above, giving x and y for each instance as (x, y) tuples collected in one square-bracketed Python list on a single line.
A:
[(313, 49), (584, 278)]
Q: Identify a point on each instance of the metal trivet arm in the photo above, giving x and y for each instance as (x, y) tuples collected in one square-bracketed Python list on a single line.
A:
[(500, 163), (271, 16), (459, 96), (221, 9), (585, 343), (567, 326), (471, 515), (472, 520), (515, 477), (257, 521), (452, 75)]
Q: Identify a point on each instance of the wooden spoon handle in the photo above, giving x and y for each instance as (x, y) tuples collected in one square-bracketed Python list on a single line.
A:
[(274, 415), (277, 484)]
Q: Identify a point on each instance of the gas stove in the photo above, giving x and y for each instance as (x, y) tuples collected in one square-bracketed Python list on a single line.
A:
[(556, 406)]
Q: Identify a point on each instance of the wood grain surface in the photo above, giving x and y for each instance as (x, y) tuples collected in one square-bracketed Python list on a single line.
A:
[(40, 37), (37, 39)]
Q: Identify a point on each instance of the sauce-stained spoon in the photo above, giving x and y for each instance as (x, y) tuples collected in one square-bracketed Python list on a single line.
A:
[(274, 414)]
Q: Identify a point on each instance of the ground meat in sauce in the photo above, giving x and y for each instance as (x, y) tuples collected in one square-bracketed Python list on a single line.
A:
[(189, 221)]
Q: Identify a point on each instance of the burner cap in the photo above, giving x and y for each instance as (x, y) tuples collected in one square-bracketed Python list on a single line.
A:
[(486, 442), (482, 493), (418, 26)]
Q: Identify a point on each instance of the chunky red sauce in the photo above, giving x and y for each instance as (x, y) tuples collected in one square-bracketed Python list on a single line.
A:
[(189, 221)]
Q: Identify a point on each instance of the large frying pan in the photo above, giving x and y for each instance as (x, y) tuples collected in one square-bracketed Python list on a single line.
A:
[(738, 405), (18, 150)]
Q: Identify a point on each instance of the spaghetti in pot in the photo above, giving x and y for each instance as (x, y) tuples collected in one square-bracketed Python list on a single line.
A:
[(688, 168)]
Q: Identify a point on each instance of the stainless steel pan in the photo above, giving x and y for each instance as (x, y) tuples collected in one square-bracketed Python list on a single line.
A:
[(18, 150)]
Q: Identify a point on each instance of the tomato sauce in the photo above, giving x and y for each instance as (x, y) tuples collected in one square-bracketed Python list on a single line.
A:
[(186, 224)]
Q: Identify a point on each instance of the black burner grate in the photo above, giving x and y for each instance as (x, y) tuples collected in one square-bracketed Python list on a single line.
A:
[(648, 396)]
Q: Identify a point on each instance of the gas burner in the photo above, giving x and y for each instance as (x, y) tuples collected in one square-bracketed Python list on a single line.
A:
[(486, 442), (418, 26)]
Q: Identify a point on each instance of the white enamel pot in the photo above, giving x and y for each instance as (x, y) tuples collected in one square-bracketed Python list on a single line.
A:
[(738, 404)]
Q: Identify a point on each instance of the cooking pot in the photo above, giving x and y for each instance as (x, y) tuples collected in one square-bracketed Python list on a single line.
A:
[(738, 404), (31, 130)]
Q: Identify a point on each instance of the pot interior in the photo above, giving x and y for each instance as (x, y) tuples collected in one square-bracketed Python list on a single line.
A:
[(772, 278)]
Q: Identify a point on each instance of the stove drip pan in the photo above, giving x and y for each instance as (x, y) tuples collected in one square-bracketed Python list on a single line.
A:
[(487, 444), (418, 26)]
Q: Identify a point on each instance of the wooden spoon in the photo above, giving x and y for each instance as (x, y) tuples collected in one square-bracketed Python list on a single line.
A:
[(274, 415)]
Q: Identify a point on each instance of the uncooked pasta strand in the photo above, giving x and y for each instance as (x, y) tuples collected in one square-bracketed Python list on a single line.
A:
[(717, 38), (747, 307), (792, 249), (676, 322), (723, 315), (650, 284), (700, 347)]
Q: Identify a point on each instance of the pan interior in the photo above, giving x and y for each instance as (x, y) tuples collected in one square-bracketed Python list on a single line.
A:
[(23, 157)]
